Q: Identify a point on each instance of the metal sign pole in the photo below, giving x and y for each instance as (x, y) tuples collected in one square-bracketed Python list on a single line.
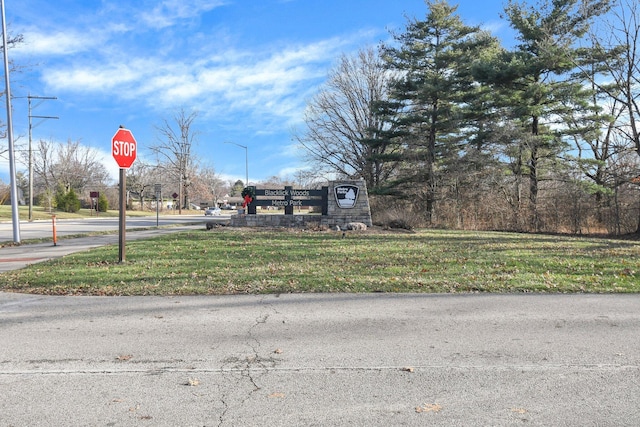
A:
[(158, 189), (123, 218)]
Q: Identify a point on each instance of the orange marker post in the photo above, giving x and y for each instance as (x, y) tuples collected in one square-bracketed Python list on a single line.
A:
[(55, 237)]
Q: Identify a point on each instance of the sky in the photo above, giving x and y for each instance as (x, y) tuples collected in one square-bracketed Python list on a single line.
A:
[(246, 67)]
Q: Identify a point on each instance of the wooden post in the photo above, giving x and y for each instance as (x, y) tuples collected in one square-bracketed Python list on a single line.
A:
[(123, 216), (288, 208)]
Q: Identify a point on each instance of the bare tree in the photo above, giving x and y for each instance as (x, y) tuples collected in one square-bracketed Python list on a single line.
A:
[(68, 165), (341, 120), (174, 150), (140, 179), (77, 166), (308, 179), (42, 161), (622, 70), (207, 186)]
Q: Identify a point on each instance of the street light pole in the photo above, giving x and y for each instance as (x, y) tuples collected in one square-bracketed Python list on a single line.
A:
[(29, 98), (246, 160), (15, 215)]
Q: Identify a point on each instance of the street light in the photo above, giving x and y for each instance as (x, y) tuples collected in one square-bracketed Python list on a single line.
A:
[(15, 216), (246, 160)]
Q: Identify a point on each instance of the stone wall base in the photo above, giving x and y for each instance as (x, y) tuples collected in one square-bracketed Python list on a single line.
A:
[(295, 221)]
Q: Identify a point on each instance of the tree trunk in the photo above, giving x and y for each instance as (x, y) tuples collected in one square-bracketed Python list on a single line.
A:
[(533, 188), (533, 176), (638, 228)]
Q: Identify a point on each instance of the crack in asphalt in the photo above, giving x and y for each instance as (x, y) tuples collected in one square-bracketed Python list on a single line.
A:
[(246, 367)]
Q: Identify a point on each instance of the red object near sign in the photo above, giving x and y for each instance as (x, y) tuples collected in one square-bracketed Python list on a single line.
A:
[(123, 148)]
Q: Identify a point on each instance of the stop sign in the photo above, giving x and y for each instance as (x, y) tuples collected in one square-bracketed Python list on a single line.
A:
[(123, 148)]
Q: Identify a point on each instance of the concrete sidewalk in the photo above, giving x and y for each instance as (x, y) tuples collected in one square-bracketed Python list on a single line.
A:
[(320, 360), (17, 257)]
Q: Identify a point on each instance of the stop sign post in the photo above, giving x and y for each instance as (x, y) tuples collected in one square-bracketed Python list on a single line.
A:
[(124, 151)]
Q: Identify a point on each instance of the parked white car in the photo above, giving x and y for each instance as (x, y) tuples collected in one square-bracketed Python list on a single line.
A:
[(212, 211)]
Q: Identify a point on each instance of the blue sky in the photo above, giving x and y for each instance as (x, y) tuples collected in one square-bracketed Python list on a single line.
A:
[(248, 67)]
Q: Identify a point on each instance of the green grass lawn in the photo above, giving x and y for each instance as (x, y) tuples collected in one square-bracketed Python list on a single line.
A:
[(250, 261)]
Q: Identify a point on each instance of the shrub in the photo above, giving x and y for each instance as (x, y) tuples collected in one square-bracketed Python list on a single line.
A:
[(398, 217), (103, 203), (67, 201)]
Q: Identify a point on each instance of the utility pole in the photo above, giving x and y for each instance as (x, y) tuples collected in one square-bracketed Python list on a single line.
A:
[(42, 99)]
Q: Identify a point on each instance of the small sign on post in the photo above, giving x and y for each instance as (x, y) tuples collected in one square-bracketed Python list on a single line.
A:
[(158, 191), (124, 151), (175, 197), (94, 201)]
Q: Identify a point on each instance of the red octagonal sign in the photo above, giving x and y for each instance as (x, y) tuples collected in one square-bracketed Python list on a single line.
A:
[(123, 148)]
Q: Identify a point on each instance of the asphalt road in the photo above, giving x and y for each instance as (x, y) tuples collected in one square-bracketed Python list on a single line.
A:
[(44, 229), (320, 360)]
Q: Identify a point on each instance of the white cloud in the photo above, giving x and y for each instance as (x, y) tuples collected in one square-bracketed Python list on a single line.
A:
[(266, 84), (106, 158), (494, 27), (92, 79), (57, 43), (168, 12), (290, 171)]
